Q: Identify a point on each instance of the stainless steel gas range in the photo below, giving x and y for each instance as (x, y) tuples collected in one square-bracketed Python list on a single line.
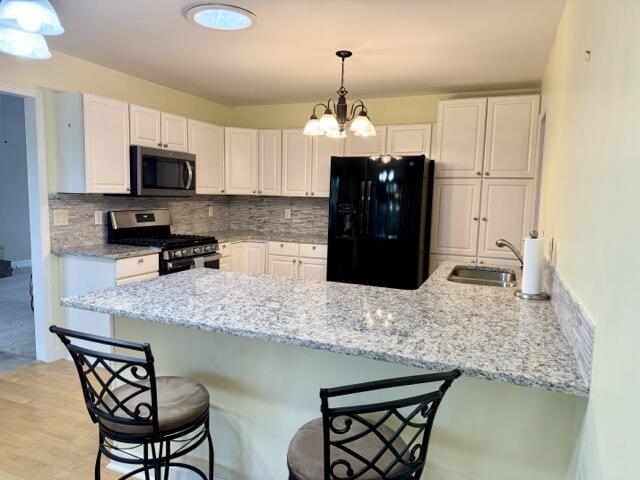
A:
[(152, 228)]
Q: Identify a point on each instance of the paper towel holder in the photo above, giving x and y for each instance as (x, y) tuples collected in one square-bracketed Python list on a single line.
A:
[(532, 296)]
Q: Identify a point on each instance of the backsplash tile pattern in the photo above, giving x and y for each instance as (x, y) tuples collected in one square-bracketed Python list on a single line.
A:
[(189, 215), (308, 215), (576, 324)]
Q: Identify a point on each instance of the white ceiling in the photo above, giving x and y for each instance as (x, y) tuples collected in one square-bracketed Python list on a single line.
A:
[(400, 46)]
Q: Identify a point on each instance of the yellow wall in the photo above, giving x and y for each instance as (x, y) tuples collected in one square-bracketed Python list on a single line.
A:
[(590, 205), (382, 111)]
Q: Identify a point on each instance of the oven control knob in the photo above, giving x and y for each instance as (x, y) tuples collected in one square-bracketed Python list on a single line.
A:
[(196, 250), (177, 253), (207, 248)]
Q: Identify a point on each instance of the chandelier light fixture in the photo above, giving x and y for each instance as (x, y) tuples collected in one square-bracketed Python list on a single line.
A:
[(23, 24), (336, 114)]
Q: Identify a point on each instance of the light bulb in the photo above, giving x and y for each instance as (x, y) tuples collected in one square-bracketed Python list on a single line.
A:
[(313, 127), (360, 123)]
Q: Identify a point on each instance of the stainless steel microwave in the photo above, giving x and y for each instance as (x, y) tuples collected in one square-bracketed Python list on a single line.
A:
[(156, 172)]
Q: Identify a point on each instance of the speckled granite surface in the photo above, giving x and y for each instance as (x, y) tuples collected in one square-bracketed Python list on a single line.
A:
[(485, 331), (105, 250), (251, 235)]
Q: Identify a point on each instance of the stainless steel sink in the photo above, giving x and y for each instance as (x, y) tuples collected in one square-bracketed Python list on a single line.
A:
[(495, 277)]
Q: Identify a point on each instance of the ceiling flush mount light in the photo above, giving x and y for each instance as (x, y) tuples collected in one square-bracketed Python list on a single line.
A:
[(33, 16), (218, 16), (336, 114)]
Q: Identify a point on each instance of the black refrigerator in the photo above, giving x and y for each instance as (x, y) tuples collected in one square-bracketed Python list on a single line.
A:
[(380, 220)]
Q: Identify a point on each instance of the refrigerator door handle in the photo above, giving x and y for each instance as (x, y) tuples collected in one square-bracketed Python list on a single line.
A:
[(367, 206), (362, 205)]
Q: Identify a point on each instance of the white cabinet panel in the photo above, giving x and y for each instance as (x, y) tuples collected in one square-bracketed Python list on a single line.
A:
[(511, 134), (357, 146), (225, 264), (323, 149), (311, 250), (296, 163), (106, 145), (283, 266), (312, 269), (255, 257), (134, 266), (455, 216), (460, 137), (269, 162), (174, 132), (238, 263), (409, 140), (505, 213), (206, 142), (283, 248), (145, 126), (241, 164)]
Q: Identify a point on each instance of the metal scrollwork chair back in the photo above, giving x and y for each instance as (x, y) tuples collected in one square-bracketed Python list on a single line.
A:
[(386, 440)]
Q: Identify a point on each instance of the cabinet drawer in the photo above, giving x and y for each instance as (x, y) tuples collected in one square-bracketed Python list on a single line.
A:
[(311, 250), (130, 267), (225, 249), (283, 248), (138, 278)]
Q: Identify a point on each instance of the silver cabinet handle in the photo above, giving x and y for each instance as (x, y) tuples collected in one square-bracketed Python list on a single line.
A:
[(300, 262), (282, 245), (166, 145), (222, 191), (486, 174), (312, 193), (478, 173), (294, 260), (306, 193), (141, 260), (254, 191), (472, 261), (259, 191), (160, 144), (484, 219), (475, 219), (481, 262), (313, 247)]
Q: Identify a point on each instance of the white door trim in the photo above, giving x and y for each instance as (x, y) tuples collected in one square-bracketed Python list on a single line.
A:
[(46, 348)]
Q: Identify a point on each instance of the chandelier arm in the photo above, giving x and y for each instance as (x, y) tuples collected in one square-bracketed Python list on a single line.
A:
[(319, 105), (354, 109)]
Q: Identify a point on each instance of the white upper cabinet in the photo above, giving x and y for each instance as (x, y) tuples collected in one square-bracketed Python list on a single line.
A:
[(511, 135), (174, 132), (409, 140), (297, 150), (357, 146), (240, 160), (145, 126), (460, 137), (323, 149), (206, 142), (269, 162), (93, 144), (456, 204), (505, 213), (152, 128)]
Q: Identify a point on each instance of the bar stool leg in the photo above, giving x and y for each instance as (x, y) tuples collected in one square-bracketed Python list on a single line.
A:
[(211, 455), (97, 469)]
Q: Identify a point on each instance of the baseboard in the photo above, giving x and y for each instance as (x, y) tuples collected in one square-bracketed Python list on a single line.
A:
[(179, 474), (21, 263)]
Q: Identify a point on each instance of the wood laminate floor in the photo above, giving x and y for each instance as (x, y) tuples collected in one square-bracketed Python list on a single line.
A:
[(45, 431)]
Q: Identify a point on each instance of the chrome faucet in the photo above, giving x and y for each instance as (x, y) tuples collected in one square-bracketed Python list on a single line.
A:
[(504, 243)]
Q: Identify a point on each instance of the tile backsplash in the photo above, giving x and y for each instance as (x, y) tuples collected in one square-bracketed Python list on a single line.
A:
[(189, 215)]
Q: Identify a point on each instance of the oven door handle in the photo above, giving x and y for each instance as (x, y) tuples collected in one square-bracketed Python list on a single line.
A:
[(190, 170), (180, 264)]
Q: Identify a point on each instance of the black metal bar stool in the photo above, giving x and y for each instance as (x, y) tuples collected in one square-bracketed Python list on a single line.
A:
[(380, 441), (165, 417)]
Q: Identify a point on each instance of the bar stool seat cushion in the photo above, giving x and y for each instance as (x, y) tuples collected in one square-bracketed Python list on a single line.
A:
[(306, 456), (180, 402)]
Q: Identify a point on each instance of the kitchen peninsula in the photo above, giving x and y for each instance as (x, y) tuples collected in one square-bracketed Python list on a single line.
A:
[(262, 387)]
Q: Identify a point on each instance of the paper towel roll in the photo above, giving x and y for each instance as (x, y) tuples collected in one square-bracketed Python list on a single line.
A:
[(532, 265)]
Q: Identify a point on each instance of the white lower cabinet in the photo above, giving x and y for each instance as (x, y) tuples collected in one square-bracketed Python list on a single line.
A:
[(282, 266), (237, 257), (254, 257), (312, 269), (305, 260), (225, 264)]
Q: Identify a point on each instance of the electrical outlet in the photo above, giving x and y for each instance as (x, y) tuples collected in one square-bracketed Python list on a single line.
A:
[(211, 211), (287, 213), (60, 218), (97, 217)]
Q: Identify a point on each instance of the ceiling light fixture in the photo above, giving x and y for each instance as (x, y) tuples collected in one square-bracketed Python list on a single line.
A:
[(336, 114), (218, 16), (33, 16), (23, 44)]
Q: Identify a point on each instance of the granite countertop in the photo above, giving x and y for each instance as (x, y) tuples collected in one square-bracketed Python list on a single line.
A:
[(249, 235), (105, 250), (485, 331)]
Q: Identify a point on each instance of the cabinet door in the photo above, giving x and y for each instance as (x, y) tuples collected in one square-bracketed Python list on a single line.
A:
[(460, 137), (512, 123), (296, 163), (456, 205), (312, 269), (174, 132), (240, 160), (237, 257), (323, 149), (269, 162), (435, 261), (255, 257), (409, 140), (357, 146), (505, 213), (225, 264), (206, 142), (145, 126), (283, 266), (106, 145)]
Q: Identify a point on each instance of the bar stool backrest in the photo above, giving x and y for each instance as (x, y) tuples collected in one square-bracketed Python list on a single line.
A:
[(102, 372), (399, 429)]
